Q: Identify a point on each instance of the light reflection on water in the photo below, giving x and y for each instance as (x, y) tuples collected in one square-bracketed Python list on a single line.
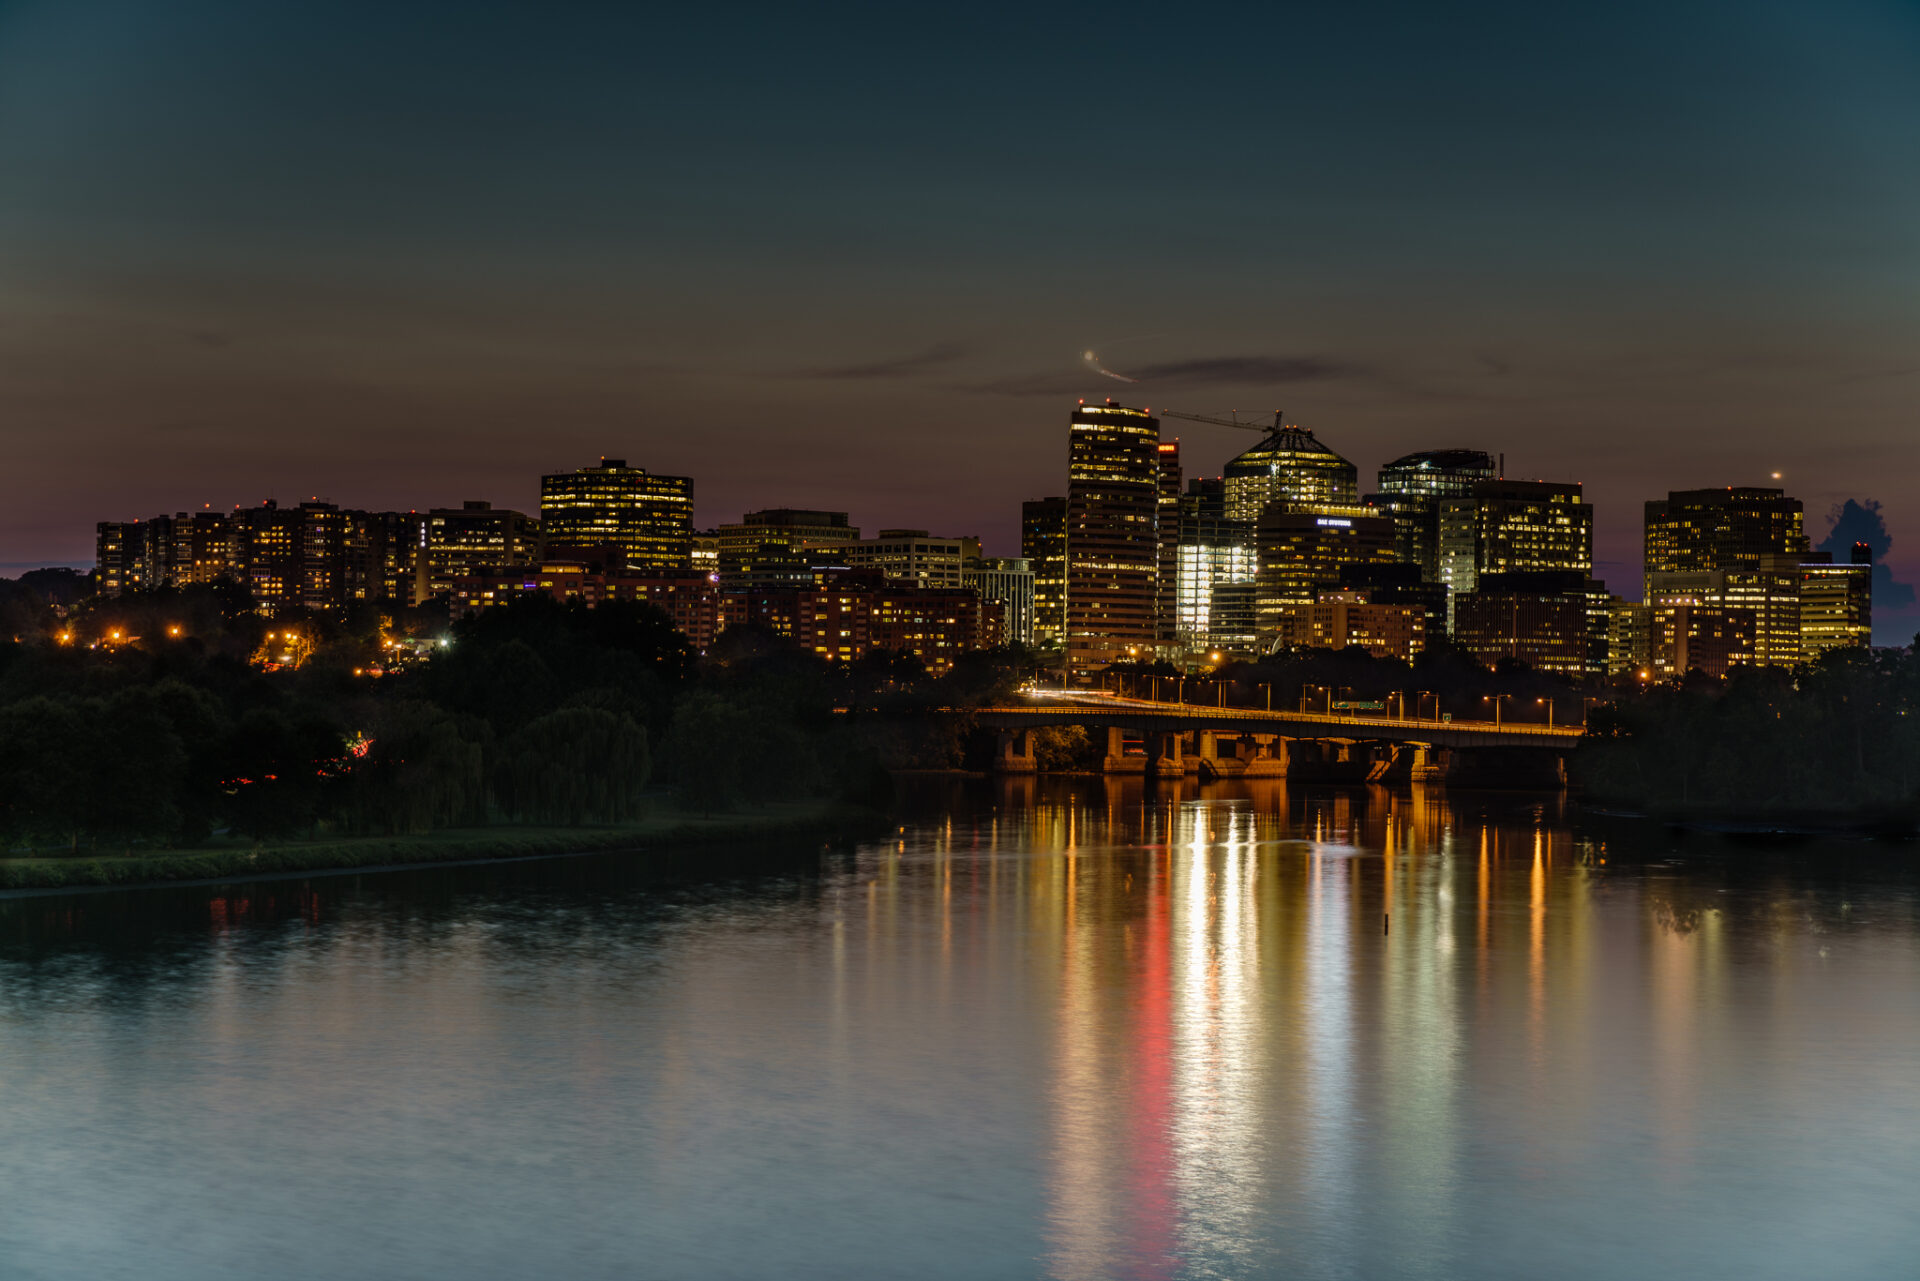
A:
[(1056, 1028)]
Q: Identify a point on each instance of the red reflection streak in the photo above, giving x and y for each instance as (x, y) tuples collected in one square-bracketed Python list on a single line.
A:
[(1155, 1218)]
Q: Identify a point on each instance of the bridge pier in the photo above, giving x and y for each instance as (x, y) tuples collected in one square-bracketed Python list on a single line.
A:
[(1163, 755), (1269, 758), (1116, 760), (1015, 754), (1427, 764)]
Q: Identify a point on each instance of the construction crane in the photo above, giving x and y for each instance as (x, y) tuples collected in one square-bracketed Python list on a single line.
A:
[(1279, 417)]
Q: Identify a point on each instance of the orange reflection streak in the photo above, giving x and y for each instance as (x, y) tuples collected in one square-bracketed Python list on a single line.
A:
[(1154, 1217), (1537, 953)]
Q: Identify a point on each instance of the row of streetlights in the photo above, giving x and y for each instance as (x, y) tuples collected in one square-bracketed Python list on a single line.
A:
[(1393, 697)]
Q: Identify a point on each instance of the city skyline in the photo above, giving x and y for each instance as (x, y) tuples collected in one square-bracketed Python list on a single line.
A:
[(1641, 250)]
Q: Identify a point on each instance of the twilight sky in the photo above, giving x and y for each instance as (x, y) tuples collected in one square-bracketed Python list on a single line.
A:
[(400, 255)]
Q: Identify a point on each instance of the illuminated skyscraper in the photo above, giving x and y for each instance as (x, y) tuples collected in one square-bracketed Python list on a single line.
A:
[(1769, 593), (1411, 491), (738, 545), (1043, 544), (648, 517), (1302, 550), (1544, 618), (1214, 566), (475, 537), (1836, 603), (1113, 482), (913, 556), (1289, 466), (1514, 527), (1009, 581), (1702, 529), (1167, 522)]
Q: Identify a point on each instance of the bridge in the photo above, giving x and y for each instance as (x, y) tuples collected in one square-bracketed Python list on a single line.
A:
[(1172, 740)]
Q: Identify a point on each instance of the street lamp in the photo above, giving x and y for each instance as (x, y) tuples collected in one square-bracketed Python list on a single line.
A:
[(1549, 703), (1496, 700), (1419, 703)]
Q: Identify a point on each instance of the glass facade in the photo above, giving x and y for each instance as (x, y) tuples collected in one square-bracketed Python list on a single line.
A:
[(1113, 482), (1302, 550), (1289, 466), (1212, 556), (1411, 491)]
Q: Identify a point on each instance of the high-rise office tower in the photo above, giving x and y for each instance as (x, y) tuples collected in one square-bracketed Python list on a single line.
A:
[(912, 556), (1768, 592), (1167, 522), (1411, 491), (1544, 618), (1701, 529), (648, 517), (1303, 549), (1113, 481), (1008, 580), (1043, 545), (1513, 527), (1836, 603), (797, 528), (1289, 466), (1214, 565), (476, 536)]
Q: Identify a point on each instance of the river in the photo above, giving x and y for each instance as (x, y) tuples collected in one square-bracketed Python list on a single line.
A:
[(1057, 1028)]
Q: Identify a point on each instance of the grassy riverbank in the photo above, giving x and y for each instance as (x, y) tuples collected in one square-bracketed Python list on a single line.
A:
[(669, 830)]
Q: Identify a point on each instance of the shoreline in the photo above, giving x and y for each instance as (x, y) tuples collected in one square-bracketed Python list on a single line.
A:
[(61, 874)]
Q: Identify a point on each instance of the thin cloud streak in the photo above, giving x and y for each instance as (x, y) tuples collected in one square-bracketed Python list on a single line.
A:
[(900, 367), (1198, 372)]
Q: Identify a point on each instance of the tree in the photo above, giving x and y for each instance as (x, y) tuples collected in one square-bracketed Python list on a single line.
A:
[(575, 765), (707, 749)]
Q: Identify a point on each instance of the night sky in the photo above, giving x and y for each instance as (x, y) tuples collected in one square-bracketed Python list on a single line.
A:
[(405, 254)]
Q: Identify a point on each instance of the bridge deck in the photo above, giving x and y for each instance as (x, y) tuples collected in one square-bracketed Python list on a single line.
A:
[(1140, 714)]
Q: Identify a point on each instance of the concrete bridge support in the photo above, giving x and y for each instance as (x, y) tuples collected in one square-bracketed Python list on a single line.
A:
[(1427, 764), (1269, 758), (1164, 758), (1015, 754), (1116, 760)]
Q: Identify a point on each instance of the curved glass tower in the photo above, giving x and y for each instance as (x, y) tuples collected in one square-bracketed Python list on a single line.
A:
[(1289, 466)]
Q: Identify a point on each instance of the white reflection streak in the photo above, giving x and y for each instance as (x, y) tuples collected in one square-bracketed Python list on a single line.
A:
[(1216, 1082), (1329, 1033), (1084, 1165)]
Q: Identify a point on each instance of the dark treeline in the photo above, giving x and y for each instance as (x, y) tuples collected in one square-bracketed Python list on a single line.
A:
[(160, 720), (1836, 737)]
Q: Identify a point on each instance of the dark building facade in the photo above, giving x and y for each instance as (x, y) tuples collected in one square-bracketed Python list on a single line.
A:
[(1411, 490), (1043, 545), (1692, 530), (1545, 619)]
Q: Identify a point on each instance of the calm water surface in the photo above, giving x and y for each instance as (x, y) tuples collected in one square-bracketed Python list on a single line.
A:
[(1062, 1029)]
